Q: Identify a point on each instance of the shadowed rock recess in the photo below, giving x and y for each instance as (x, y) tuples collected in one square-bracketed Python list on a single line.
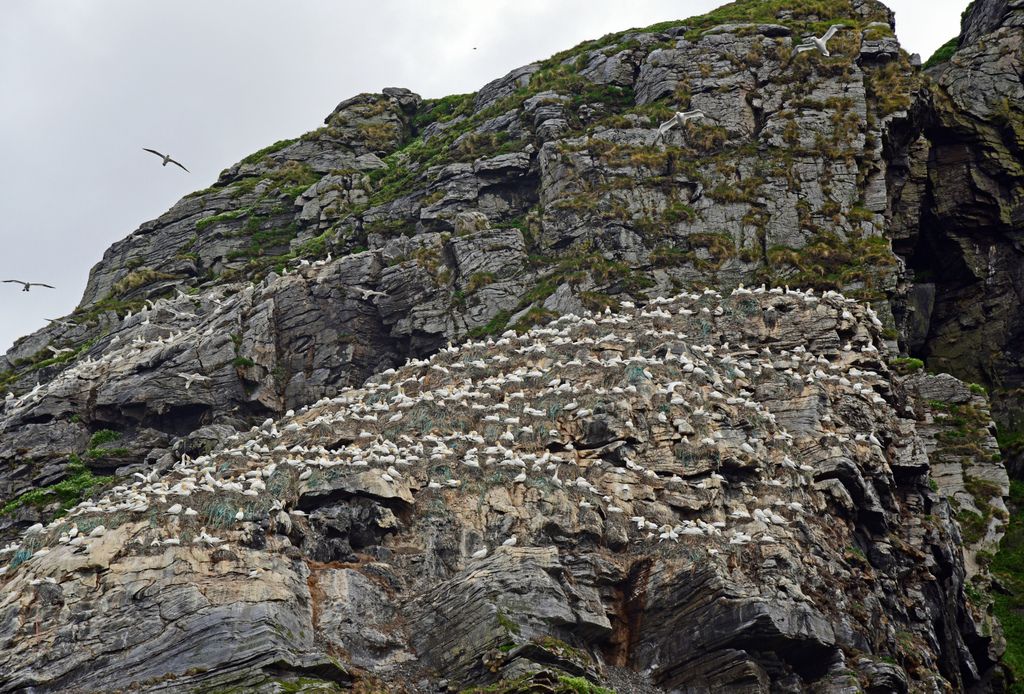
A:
[(435, 398)]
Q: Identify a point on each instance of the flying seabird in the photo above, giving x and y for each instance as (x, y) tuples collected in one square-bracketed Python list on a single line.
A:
[(189, 378), (367, 293), (167, 158), (28, 285), (681, 118), (812, 42)]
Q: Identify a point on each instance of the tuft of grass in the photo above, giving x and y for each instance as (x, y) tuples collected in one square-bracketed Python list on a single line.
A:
[(104, 436), (260, 155), (222, 217), (138, 278), (579, 685), (497, 325), (829, 262), (906, 365), (443, 110), (943, 53), (68, 491), (479, 280), (507, 624)]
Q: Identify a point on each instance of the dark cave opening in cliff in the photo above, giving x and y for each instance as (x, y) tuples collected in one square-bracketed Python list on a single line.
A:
[(937, 273)]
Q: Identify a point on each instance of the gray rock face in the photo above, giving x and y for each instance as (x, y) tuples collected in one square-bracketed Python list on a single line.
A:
[(494, 91), (965, 189), (985, 16), (562, 503), (405, 225)]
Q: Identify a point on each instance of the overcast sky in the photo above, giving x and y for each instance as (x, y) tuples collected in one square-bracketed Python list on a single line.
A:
[(85, 84)]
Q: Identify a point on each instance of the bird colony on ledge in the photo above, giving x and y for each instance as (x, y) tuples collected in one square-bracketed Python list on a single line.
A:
[(701, 428)]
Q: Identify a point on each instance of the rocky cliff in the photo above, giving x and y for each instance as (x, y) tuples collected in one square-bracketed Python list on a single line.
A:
[(720, 465), (962, 235), (688, 496)]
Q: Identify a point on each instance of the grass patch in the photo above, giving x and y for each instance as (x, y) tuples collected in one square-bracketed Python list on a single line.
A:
[(1008, 569), (496, 325), (443, 110), (829, 262), (943, 53), (68, 492), (972, 525), (579, 685), (889, 87), (139, 278), (260, 155), (103, 437), (906, 365), (479, 280), (222, 217)]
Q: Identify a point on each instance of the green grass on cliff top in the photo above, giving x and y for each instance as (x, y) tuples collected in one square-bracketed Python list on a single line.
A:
[(801, 14), (1008, 569), (944, 52)]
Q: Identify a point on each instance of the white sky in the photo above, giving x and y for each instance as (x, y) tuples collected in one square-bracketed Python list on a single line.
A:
[(85, 84)]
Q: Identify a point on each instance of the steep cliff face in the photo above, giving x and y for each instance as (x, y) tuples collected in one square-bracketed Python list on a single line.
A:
[(405, 224), (548, 191), (964, 244), (689, 496)]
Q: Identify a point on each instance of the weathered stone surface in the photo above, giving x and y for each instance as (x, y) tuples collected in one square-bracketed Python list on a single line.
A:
[(971, 209), (504, 86), (570, 500), (404, 225)]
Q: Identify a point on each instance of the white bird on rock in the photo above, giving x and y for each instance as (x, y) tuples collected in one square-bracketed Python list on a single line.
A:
[(191, 378)]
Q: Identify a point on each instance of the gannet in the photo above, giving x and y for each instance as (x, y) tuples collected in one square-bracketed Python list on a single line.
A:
[(190, 378), (680, 118), (367, 293), (812, 42), (167, 158), (25, 286)]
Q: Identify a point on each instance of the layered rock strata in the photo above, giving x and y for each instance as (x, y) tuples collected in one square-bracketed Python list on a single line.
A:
[(709, 492)]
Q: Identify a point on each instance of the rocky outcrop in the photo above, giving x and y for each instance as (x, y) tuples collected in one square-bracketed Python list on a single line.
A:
[(559, 504), (986, 16), (966, 196), (545, 193), (405, 225)]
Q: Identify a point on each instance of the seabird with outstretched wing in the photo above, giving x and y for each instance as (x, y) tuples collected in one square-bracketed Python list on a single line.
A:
[(28, 285), (167, 158)]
